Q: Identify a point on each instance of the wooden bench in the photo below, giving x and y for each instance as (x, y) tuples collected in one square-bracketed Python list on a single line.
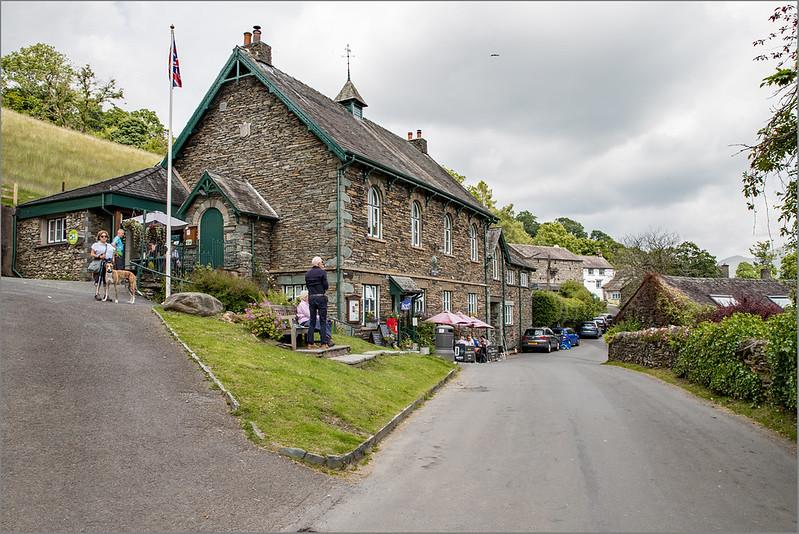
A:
[(287, 315)]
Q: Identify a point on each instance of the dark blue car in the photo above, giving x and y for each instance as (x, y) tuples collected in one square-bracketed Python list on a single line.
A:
[(567, 334)]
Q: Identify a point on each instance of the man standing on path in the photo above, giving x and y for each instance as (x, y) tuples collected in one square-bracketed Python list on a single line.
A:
[(316, 281), (119, 250)]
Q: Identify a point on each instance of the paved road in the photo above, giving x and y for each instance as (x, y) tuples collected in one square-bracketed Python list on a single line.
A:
[(561, 443), (107, 426)]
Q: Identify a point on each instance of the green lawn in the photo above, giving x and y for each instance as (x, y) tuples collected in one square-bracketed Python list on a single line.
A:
[(300, 401), (356, 344), (777, 419), (38, 156)]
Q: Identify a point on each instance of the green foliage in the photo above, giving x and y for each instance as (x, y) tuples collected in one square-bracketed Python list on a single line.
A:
[(546, 308), (234, 292), (275, 296), (39, 81), (483, 194), (512, 229), (708, 357), (425, 335), (262, 321), (781, 352), (626, 325), (458, 177), (788, 266), (690, 260), (679, 310), (774, 154), (746, 270), (529, 221), (573, 227)]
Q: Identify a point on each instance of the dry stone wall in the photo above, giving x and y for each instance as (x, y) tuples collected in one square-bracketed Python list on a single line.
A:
[(649, 348)]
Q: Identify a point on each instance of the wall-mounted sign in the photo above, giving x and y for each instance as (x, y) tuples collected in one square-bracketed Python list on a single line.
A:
[(354, 310), (72, 237)]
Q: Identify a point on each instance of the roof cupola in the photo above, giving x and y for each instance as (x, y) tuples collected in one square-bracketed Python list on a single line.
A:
[(349, 97)]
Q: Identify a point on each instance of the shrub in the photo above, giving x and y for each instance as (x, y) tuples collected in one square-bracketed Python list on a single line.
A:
[(781, 352), (262, 321), (626, 325), (425, 335), (708, 357), (546, 308), (233, 292), (744, 305)]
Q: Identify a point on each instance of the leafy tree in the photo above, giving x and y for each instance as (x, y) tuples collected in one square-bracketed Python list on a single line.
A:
[(764, 256), (483, 194), (774, 154), (573, 227), (553, 233), (91, 96), (545, 308), (529, 221), (458, 177), (746, 270), (788, 266), (37, 80), (512, 228), (690, 260), (599, 235)]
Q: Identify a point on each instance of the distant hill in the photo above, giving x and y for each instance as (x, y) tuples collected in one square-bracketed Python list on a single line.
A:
[(38, 156)]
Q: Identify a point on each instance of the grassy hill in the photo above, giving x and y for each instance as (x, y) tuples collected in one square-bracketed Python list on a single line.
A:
[(38, 156)]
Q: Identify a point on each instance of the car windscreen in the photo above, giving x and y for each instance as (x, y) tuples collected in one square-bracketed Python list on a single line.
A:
[(534, 332), (588, 325)]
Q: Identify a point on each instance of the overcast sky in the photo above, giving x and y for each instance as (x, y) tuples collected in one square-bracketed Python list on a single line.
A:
[(623, 116)]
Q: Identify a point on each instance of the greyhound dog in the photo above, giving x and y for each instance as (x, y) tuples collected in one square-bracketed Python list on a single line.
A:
[(115, 276)]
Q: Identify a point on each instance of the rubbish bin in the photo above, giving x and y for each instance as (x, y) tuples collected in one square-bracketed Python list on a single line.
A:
[(445, 338)]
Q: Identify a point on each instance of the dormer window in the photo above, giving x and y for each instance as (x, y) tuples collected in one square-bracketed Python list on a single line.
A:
[(356, 110)]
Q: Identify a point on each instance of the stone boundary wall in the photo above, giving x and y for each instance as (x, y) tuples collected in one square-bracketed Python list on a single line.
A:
[(648, 348)]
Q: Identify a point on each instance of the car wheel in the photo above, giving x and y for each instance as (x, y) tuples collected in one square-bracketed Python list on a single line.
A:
[(549, 348), (577, 342), (557, 346)]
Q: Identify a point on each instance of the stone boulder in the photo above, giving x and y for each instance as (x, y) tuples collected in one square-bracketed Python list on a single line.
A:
[(194, 303)]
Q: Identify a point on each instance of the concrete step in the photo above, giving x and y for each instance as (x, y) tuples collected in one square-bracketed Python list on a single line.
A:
[(358, 359), (332, 352)]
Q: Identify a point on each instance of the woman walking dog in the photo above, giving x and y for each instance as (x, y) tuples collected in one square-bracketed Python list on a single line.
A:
[(101, 253)]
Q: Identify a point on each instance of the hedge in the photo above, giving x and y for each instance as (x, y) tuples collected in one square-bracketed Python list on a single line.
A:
[(781, 351)]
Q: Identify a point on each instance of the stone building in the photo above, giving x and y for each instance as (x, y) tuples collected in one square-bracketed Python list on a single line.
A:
[(53, 235), (553, 265)]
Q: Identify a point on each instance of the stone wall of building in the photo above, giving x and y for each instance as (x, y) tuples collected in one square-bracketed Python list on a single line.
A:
[(566, 270), (38, 259), (284, 161)]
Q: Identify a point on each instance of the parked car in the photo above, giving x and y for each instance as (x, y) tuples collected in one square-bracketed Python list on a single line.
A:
[(539, 338), (567, 333), (608, 318), (588, 329), (601, 323)]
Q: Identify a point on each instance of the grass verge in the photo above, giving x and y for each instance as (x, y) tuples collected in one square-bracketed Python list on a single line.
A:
[(356, 344), (299, 401), (777, 419)]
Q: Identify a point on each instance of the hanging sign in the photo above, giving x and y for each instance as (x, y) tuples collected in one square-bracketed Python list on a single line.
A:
[(406, 304)]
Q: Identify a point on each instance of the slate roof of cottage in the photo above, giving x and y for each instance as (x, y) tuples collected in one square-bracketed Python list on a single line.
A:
[(243, 195), (595, 262), (349, 92), (700, 289), (517, 258), (542, 252), (149, 183), (492, 238), (365, 138), (615, 284)]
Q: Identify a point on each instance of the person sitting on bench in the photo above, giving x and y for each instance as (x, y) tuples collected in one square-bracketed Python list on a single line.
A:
[(304, 317)]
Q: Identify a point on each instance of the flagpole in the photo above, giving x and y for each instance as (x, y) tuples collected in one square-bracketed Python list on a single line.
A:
[(168, 258)]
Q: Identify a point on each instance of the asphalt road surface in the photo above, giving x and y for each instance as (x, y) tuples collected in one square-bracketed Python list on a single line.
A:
[(558, 442), (107, 426)]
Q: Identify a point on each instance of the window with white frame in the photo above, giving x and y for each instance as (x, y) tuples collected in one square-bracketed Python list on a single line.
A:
[(724, 300), (293, 291), (418, 304), (447, 234), (375, 228), (471, 304), (446, 300), (599, 284), (510, 277), (495, 264), (57, 230), (590, 271), (615, 295), (783, 301), (371, 303), (601, 272), (523, 279), (416, 225), (509, 313), (473, 243)]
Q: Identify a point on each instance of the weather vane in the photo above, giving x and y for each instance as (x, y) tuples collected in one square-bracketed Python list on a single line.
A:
[(348, 50)]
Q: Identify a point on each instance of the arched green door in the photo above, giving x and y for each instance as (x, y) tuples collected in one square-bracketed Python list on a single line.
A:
[(212, 239)]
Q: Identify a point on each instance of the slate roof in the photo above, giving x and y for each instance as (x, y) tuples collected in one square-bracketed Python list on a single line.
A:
[(365, 138), (405, 284), (243, 195), (517, 258), (542, 252), (595, 262), (349, 92), (700, 289), (615, 284), (492, 239), (149, 183)]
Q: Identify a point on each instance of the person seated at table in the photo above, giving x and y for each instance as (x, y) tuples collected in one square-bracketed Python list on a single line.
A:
[(304, 316), (483, 350)]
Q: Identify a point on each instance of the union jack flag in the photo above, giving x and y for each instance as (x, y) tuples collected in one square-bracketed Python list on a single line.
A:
[(174, 65)]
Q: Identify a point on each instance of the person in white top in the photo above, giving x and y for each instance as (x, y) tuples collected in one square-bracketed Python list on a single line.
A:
[(103, 251)]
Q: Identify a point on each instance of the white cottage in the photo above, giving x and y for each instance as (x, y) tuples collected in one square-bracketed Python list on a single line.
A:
[(597, 271)]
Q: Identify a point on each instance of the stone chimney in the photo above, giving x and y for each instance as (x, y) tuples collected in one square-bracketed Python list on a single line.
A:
[(765, 273), (259, 49), (420, 142), (725, 270)]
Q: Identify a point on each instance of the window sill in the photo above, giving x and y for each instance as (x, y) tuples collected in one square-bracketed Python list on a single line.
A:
[(417, 247), (378, 239), (475, 261)]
